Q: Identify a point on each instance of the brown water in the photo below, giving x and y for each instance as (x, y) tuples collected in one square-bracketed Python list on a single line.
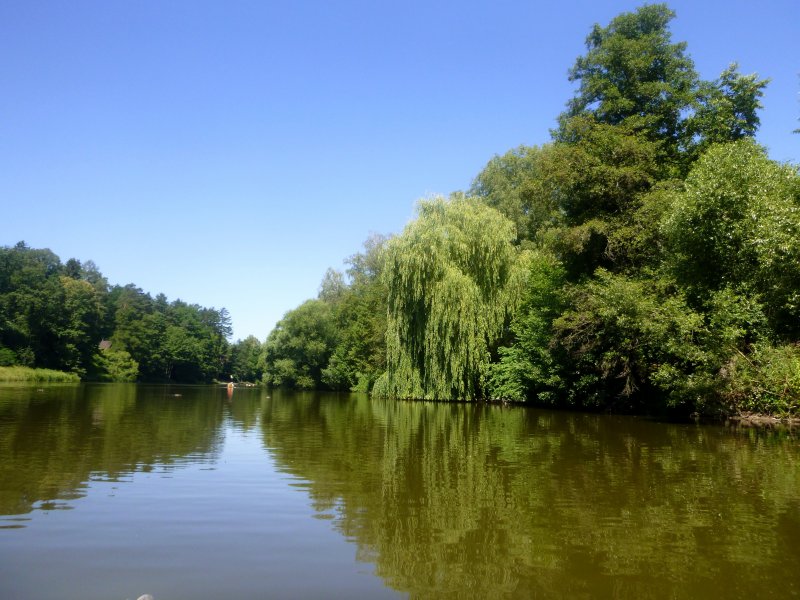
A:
[(113, 491)]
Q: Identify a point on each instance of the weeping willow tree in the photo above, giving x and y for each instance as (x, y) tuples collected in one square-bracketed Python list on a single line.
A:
[(454, 278)]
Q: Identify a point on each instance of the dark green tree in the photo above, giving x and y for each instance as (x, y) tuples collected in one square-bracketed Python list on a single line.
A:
[(31, 305), (79, 327), (516, 185), (300, 346), (633, 74), (360, 314), (139, 330), (529, 367), (737, 225), (629, 342), (245, 364)]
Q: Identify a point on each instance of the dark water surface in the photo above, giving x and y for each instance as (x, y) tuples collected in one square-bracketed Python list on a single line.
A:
[(112, 491)]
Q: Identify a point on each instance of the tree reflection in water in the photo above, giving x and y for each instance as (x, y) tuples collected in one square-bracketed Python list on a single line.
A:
[(53, 440), (464, 500), (490, 501)]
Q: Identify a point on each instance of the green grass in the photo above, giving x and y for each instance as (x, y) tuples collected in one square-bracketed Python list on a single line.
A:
[(37, 375)]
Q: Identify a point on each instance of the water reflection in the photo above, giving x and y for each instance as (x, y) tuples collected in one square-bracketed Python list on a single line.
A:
[(486, 501), (56, 439), (445, 500)]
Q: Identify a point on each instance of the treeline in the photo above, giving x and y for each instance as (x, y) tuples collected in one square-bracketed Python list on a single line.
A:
[(67, 317), (646, 259), (338, 340)]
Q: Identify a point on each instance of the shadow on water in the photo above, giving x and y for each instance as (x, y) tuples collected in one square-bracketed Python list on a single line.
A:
[(490, 501)]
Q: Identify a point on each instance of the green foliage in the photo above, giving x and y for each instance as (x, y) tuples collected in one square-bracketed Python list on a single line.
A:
[(648, 258), (633, 74), (18, 373), (736, 320), (245, 363), (360, 314), (454, 278), (54, 316), (754, 374), (332, 287), (740, 213), (597, 175), (636, 243), (31, 305), (7, 357), (115, 365), (766, 381), (598, 170), (337, 341), (727, 108), (80, 325), (528, 368), (627, 340), (515, 184), (300, 346), (139, 329), (170, 341)]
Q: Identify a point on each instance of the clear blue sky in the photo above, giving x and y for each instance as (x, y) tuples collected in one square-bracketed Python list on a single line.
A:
[(227, 153)]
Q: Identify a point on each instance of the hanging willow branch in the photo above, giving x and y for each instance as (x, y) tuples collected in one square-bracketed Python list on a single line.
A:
[(454, 278)]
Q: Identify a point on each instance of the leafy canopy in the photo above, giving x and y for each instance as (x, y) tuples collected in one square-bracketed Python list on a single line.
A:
[(454, 278), (737, 224)]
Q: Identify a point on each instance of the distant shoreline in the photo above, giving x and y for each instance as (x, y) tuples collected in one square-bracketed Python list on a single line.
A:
[(19, 374)]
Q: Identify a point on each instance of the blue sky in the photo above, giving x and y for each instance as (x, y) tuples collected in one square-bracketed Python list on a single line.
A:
[(228, 153)]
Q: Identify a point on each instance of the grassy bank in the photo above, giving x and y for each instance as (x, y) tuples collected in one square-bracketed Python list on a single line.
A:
[(37, 375)]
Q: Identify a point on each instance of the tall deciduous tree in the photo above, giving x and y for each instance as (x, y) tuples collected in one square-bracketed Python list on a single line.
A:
[(516, 184), (299, 347), (737, 225), (633, 73), (454, 277), (529, 368), (79, 330), (245, 360), (728, 108), (360, 314)]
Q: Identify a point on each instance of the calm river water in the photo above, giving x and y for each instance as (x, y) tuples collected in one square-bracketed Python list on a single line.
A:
[(113, 491)]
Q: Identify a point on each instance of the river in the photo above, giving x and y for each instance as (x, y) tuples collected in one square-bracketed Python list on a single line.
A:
[(190, 492)]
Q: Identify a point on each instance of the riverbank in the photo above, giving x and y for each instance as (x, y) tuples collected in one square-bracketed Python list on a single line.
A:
[(12, 374), (747, 419)]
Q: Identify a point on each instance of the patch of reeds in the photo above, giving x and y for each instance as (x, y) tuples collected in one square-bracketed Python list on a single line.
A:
[(37, 375)]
